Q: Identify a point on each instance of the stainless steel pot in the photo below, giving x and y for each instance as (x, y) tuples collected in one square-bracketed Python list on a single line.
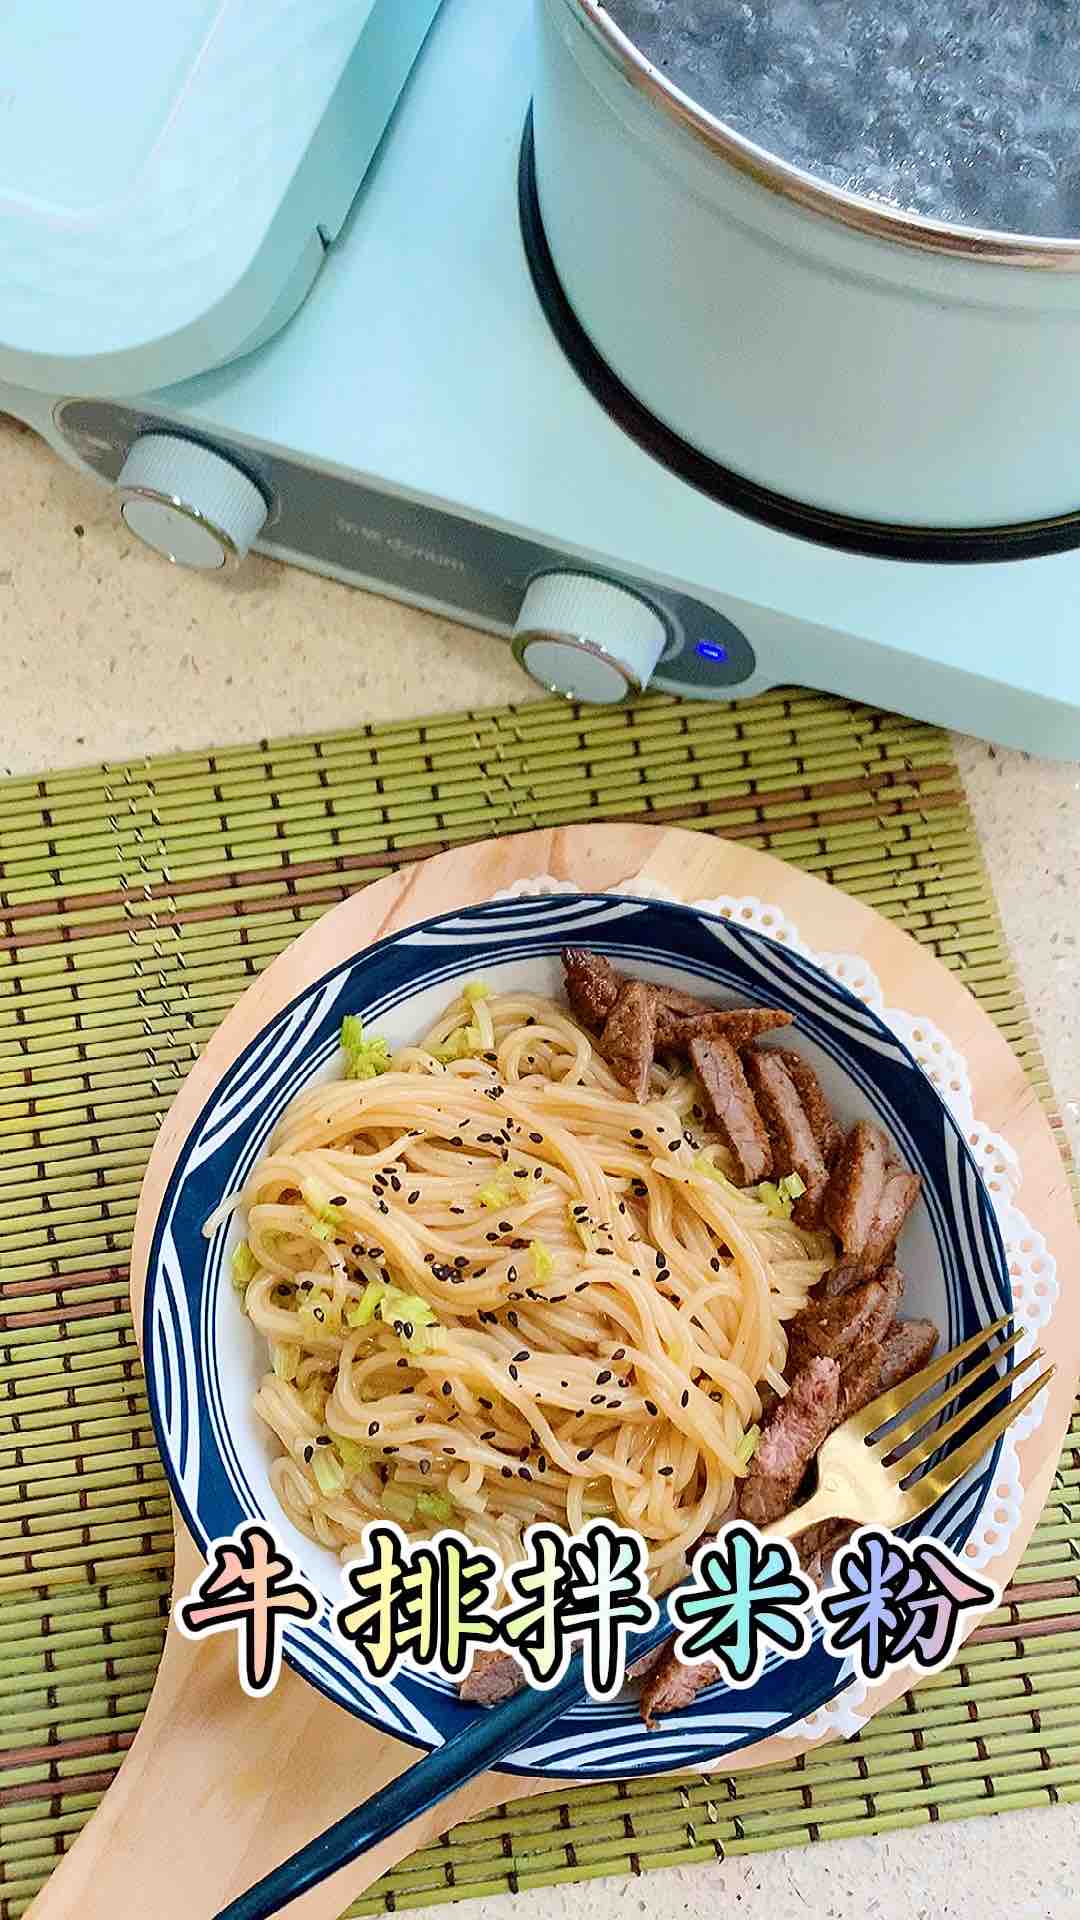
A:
[(860, 360)]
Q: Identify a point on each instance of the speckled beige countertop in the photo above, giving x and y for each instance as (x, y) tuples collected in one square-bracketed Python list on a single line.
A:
[(105, 653)]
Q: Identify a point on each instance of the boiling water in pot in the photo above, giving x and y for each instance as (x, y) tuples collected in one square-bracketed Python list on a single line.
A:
[(959, 110)]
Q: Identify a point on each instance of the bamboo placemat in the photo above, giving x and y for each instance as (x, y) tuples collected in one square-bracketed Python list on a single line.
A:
[(136, 903)]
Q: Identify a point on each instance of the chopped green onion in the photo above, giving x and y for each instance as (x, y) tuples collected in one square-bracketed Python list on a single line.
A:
[(364, 1059), (400, 1506), (793, 1186), (359, 1312), (461, 1044), (435, 1508), (318, 1314), (745, 1449), (475, 990), (702, 1164), (353, 1455), (285, 1360), (581, 1228), (244, 1267), (780, 1199), (543, 1264), (328, 1470), (313, 1399), (496, 1195)]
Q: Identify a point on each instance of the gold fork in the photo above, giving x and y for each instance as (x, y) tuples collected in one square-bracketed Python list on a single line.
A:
[(866, 1468)]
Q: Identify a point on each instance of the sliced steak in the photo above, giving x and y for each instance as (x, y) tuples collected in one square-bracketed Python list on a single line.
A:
[(629, 1037), (817, 1545), (492, 1677), (671, 1686), (677, 1024), (794, 1148), (832, 1327), (731, 1102), (815, 1106), (898, 1196), (907, 1347), (790, 1439), (592, 984), (856, 1182), (860, 1380)]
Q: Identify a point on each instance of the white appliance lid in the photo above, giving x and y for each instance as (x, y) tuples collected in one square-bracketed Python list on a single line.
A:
[(170, 175)]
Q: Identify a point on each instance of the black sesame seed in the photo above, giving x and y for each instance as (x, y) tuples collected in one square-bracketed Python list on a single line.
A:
[(308, 1451), (537, 1139), (414, 1197), (597, 1400), (457, 1209), (664, 1274), (322, 1439), (715, 1264), (429, 1259), (511, 1273), (523, 1355), (451, 1452), (505, 1226), (457, 1141), (512, 1318), (339, 1200), (524, 1474), (319, 1314), (424, 1465), (586, 1453), (488, 1434), (581, 1286), (402, 1362), (446, 1388), (637, 1133), (667, 1472), (461, 1260), (507, 1472), (651, 1407), (512, 1371), (673, 1146), (488, 1404), (373, 1429), (395, 1183), (619, 1353), (519, 1246)]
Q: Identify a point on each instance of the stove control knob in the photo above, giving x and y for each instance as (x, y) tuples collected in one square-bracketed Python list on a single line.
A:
[(188, 503), (588, 639)]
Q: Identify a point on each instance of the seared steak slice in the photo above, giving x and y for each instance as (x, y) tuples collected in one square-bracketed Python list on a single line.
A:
[(817, 1545), (899, 1194), (794, 1148), (856, 1182), (671, 1686), (835, 1327), (907, 1347), (493, 1677), (815, 1106), (790, 1439), (860, 1379), (678, 1024), (719, 1069), (629, 1036), (592, 984)]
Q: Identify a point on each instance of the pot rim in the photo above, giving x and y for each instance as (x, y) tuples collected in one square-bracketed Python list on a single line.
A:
[(778, 176)]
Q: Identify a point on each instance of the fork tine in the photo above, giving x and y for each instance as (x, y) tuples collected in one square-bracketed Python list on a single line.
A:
[(906, 1429), (926, 1445), (898, 1399), (946, 1474)]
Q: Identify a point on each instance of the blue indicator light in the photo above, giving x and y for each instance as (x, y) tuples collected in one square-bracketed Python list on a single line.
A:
[(709, 650)]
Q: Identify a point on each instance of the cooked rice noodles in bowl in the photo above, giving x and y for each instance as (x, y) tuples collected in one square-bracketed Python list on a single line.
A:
[(496, 1288)]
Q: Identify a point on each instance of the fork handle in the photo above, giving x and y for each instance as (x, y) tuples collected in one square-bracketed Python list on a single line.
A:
[(825, 1504)]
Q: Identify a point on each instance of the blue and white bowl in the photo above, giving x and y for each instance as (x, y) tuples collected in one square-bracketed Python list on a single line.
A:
[(203, 1358)]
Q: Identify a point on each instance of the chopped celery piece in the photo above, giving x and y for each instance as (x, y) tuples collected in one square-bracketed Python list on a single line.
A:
[(285, 1360), (364, 1058), (543, 1264), (328, 1470), (244, 1267), (400, 1506), (354, 1456), (475, 990), (745, 1449), (793, 1186), (435, 1508)]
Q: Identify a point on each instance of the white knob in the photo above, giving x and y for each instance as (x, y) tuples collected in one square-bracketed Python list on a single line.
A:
[(188, 503), (587, 639)]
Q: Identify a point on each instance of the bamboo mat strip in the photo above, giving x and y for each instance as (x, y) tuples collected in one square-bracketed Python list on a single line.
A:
[(137, 901)]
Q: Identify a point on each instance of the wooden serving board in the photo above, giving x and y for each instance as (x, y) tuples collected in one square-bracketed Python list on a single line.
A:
[(216, 1788)]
